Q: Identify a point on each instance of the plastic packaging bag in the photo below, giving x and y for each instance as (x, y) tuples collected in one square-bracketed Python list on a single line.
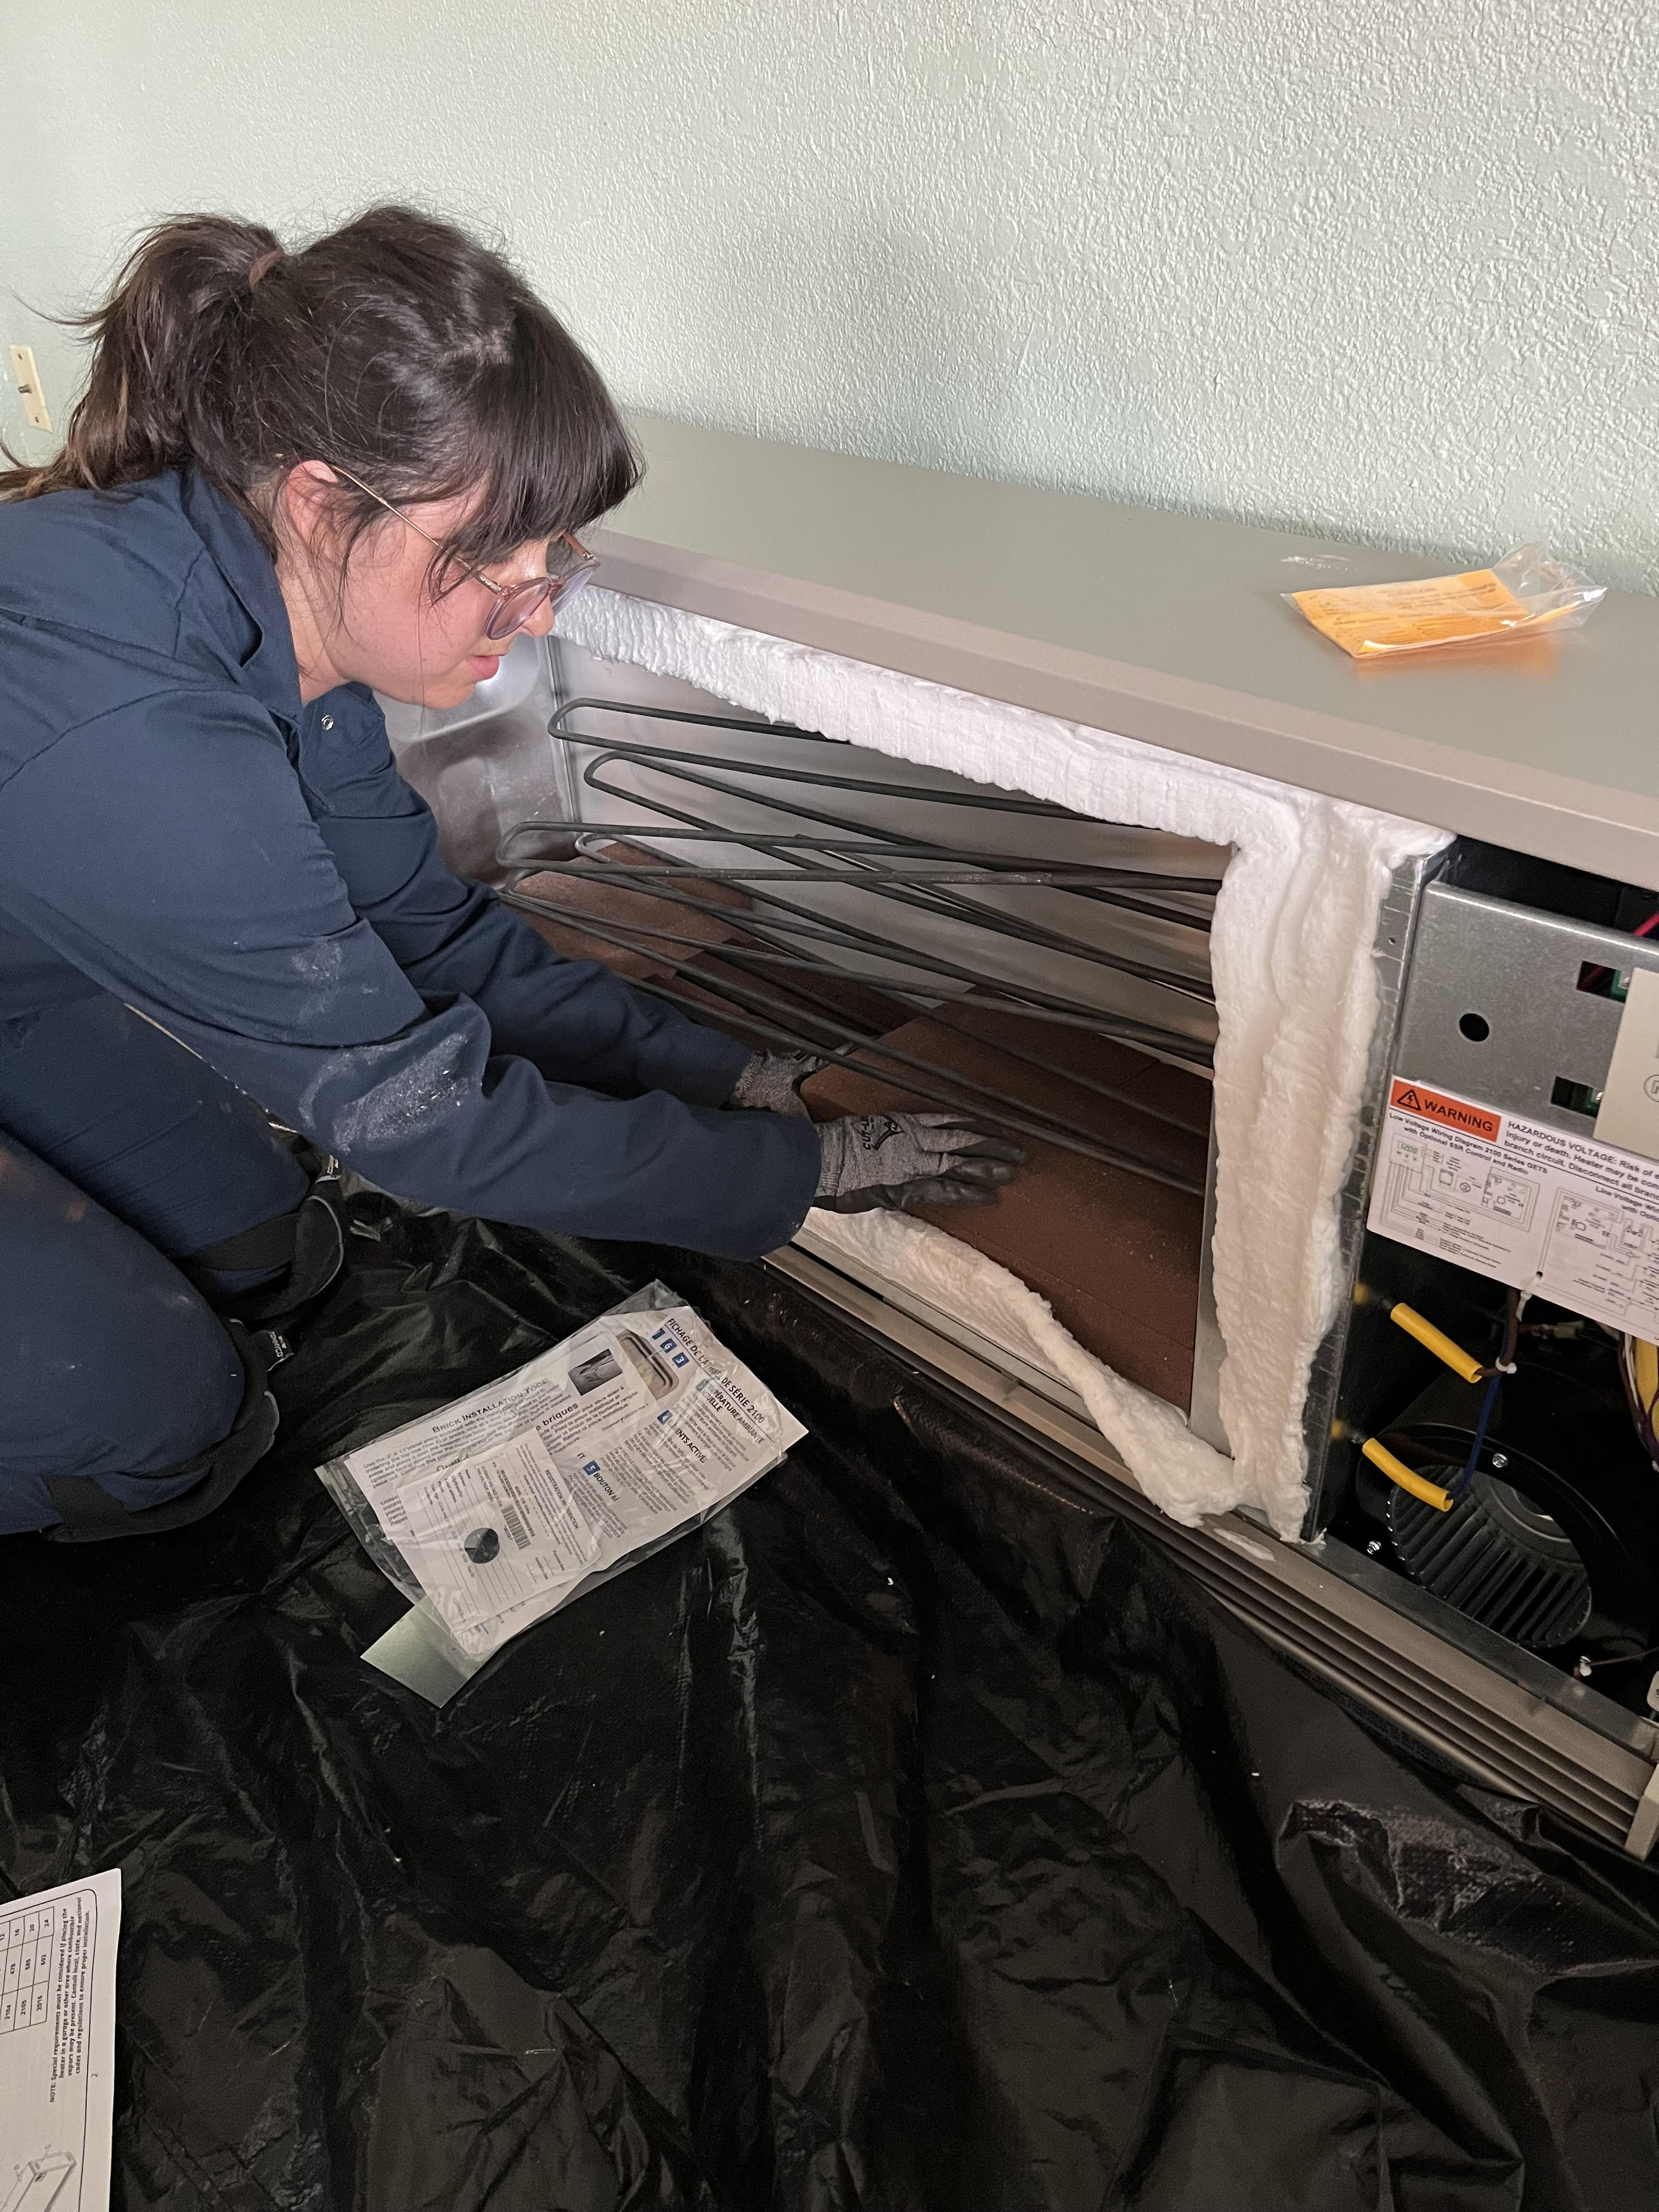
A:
[(501, 1507), (1525, 593)]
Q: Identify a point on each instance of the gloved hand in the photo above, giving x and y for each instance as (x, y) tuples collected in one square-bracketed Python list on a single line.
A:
[(771, 1083), (911, 1159)]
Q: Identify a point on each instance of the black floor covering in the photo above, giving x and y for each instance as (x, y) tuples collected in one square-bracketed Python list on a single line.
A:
[(911, 1837)]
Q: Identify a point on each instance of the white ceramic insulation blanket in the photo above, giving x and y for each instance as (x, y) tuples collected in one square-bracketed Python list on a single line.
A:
[(1296, 997)]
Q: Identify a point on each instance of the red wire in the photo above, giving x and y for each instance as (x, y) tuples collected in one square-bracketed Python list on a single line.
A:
[(1596, 976)]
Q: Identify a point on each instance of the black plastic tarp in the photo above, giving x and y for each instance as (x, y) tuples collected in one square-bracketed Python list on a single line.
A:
[(911, 1836)]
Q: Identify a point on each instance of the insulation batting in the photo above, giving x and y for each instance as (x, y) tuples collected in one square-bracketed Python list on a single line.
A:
[(1295, 995)]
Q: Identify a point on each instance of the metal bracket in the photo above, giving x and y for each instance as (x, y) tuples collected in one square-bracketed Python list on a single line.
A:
[(1644, 1827)]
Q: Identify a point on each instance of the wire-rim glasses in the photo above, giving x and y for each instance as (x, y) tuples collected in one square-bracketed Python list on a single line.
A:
[(515, 604)]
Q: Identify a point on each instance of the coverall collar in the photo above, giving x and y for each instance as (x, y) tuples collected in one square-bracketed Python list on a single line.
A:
[(272, 671)]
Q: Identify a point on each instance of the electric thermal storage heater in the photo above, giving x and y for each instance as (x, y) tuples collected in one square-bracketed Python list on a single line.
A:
[(946, 944)]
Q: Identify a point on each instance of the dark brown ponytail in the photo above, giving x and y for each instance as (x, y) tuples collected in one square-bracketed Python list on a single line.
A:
[(397, 347)]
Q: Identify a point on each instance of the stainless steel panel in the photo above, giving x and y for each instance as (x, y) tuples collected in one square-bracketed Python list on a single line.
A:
[(485, 764), (1517, 970)]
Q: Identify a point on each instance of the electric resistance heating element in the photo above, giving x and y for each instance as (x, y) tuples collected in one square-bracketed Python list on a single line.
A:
[(781, 941), (909, 935)]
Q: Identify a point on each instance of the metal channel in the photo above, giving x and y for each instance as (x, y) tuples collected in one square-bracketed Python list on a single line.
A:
[(1209, 1346), (1315, 1635), (1501, 1732), (1394, 951)]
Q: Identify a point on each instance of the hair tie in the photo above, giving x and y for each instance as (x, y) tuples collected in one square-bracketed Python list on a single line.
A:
[(265, 264)]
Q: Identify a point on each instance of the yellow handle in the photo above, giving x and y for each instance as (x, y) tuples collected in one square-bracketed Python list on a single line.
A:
[(1397, 1471), (1435, 1341)]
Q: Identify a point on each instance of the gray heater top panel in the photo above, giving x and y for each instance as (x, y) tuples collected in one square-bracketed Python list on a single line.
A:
[(1162, 626)]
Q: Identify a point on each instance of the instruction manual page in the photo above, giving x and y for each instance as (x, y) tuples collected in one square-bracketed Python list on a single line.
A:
[(57, 2046), (1520, 1202), (511, 1503)]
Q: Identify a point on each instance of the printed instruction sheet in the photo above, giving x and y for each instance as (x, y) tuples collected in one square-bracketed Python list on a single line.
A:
[(1521, 1203), (57, 2046), (510, 1502)]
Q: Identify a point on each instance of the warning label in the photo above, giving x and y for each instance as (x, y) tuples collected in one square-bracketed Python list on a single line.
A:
[(1449, 1113), (1520, 1202)]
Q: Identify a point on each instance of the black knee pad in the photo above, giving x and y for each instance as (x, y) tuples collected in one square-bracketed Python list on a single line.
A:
[(91, 1516), (307, 1244)]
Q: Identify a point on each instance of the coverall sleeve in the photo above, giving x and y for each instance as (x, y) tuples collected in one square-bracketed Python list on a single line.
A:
[(573, 1019), (166, 850)]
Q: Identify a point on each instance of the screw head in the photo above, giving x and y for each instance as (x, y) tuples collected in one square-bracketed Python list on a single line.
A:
[(1376, 1545), (1500, 1459)]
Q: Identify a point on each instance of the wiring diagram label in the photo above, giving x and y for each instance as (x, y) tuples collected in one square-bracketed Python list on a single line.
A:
[(1538, 1208), (57, 2046)]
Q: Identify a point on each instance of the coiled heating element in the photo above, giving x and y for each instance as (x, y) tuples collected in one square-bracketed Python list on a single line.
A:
[(844, 914)]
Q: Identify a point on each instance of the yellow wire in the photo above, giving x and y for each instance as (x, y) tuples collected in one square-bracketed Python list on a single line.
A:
[(1398, 1472), (1437, 1341), (1642, 1372), (1645, 1364)]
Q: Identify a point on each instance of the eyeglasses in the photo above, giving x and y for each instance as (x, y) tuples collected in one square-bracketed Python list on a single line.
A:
[(515, 604)]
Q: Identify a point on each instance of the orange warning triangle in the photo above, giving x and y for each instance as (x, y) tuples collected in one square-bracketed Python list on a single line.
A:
[(1445, 1111)]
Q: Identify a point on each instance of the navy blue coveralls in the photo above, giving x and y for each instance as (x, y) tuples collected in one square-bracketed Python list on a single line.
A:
[(211, 895)]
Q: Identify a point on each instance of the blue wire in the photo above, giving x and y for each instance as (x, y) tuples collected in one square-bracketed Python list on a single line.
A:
[(1467, 1475)]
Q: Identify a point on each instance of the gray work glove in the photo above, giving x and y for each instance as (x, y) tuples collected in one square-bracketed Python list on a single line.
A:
[(911, 1159), (771, 1082)]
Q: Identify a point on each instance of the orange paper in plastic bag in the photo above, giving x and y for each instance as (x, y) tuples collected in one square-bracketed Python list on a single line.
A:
[(1524, 593)]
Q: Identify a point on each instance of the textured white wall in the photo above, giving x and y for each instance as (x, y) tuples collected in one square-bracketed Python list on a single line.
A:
[(1384, 270)]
